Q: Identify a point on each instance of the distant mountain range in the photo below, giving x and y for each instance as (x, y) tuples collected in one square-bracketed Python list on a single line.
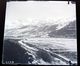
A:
[(44, 30)]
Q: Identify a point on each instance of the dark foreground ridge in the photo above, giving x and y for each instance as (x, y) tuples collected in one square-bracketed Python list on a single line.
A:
[(13, 52)]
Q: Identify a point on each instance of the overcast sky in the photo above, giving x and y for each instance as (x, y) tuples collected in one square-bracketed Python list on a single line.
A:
[(29, 12)]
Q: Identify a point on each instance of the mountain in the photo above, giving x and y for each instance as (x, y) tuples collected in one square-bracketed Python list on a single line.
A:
[(68, 31), (44, 30)]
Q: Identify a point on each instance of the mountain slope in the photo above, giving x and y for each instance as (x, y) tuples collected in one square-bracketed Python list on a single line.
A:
[(44, 30), (67, 31)]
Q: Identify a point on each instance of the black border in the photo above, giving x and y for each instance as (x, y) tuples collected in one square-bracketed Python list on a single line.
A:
[(2, 22)]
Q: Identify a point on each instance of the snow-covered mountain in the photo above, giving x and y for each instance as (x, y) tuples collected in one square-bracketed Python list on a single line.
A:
[(66, 29)]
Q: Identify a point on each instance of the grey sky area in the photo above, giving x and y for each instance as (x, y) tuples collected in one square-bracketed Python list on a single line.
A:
[(31, 12)]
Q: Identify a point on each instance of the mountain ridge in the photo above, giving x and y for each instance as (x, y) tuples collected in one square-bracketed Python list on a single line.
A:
[(44, 30)]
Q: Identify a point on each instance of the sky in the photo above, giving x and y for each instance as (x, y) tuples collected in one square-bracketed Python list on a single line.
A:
[(20, 13)]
